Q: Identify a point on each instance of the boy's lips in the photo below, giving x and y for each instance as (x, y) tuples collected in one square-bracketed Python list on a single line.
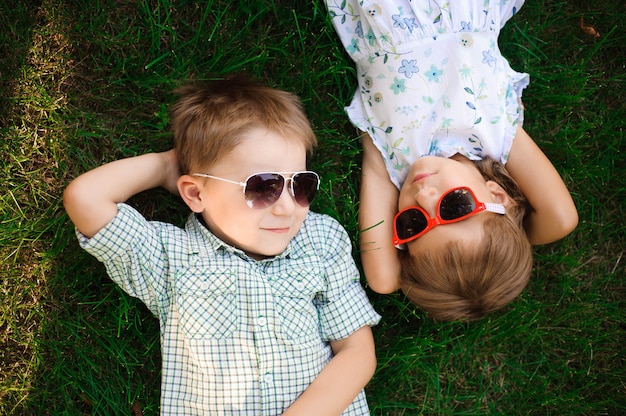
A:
[(280, 230)]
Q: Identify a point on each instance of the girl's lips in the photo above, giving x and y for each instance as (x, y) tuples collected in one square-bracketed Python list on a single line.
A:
[(421, 176)]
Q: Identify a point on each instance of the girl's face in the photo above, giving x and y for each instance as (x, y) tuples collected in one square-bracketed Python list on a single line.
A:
[(429, 178)]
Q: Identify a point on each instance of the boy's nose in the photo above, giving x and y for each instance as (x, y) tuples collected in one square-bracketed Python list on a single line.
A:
[(286, 202)]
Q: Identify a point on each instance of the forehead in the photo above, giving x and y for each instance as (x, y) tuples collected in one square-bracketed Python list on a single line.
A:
[(261, 150)]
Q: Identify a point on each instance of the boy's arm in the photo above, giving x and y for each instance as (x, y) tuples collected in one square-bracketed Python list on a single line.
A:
[(553, 214), (378, 205), (342, 379), (91, 199)]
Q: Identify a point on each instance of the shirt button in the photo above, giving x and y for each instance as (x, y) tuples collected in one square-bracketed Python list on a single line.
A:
[(262, 321), (299, 285), (267, 378), (204, 285)]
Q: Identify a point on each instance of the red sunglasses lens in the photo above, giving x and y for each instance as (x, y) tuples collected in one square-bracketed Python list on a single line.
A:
[(456, 204), (410, 222)]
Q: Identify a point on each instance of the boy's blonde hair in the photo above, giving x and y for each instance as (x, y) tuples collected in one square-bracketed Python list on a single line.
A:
[(466, 283), (210, 119)]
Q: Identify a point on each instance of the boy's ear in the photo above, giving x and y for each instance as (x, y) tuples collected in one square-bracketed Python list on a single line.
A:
[(189, 188), (499, 195)]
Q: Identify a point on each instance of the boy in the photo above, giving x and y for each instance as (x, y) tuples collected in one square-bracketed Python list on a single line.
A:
[(259, 301)]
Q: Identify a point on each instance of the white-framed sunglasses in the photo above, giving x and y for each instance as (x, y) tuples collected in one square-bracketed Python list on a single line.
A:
[(263, 189)]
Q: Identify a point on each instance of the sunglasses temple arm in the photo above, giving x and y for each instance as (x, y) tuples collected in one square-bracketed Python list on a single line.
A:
[(497, 208), (204, 175)]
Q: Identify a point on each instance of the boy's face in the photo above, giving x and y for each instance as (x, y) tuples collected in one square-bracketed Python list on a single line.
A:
[(262, 232)]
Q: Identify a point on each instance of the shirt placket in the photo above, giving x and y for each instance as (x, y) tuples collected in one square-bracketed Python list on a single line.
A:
[(262, 320)]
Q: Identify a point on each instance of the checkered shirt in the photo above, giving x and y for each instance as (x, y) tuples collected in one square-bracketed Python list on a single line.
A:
[(238, 336)]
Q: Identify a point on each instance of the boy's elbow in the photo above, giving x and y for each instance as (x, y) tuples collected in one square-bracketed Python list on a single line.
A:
[(76, 198), (88, 214), (71, 197)]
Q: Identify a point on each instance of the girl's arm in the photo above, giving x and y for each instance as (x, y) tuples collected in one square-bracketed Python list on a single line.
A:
[(91, 199), (553, 214), (350, 369), (378, 206)]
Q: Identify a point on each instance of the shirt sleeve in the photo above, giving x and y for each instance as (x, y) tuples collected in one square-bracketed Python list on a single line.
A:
[(344, 307), (130, 247)]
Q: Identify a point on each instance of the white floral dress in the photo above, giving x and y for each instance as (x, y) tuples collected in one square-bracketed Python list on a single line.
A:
[(432, 80)]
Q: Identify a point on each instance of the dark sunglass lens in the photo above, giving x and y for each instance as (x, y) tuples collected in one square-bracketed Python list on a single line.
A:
[(305, 185), (457, 204), (264, 189), (409, 223)]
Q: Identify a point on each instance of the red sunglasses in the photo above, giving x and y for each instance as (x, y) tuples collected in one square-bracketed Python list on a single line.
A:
[(455, 205)]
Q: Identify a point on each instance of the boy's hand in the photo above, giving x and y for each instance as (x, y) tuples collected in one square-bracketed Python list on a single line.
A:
[(171, 170)]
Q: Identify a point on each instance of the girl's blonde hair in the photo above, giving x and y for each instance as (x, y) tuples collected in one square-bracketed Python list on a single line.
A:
[(210, 119), (458, 282)]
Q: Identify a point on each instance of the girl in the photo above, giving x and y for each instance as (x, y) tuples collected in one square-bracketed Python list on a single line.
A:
[(461, 189)]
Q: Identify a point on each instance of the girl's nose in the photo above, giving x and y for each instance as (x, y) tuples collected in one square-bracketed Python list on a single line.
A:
[(427, 198)]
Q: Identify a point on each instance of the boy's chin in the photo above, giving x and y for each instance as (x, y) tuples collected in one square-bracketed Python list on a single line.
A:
[(266, 253)]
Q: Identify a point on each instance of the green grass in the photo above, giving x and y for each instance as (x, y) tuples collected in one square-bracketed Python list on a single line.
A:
[(86, 82)]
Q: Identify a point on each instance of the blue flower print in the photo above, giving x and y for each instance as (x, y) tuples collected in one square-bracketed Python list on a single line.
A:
[(404, 22), (488, 58), (359, 29), (465, 71), (433, 74), (446, 123), (434, 148), (353, 47), (398, 86), (370, 37), (466, 27), (398, 22), (408, 68)]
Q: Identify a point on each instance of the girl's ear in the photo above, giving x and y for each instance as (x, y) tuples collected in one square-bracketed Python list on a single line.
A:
[(189, 188), (499, 195)]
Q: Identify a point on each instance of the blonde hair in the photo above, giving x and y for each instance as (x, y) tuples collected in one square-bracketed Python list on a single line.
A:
[(210, 119), (458, 282)]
